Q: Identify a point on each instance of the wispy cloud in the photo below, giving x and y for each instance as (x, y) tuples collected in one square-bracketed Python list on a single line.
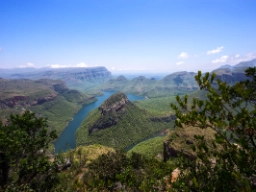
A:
[(27, 65), (179, 63), (183, 55), (214, 51), (222, 59), (235, 59)]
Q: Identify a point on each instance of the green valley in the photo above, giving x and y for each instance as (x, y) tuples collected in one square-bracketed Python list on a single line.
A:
[(119, 123)]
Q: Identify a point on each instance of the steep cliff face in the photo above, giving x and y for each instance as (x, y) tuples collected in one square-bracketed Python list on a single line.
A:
[(25, 101), (230, 76)]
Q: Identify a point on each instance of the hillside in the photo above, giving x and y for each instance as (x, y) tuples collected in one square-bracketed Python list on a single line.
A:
[(47, 98), (232, 74), (83, 79), (173, 84), (119, 123), (180, 141)]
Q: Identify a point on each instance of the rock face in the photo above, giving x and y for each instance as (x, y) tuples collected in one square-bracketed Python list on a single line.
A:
[(170, 152), (13, 101), (111, 111), (115, 103), (233, 74), (181, 140)]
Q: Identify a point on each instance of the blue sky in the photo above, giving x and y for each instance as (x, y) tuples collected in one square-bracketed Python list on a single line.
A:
[(127, 35)]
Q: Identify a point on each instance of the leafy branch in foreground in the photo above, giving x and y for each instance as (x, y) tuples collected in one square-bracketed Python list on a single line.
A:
[(23, 162), (228, 162)]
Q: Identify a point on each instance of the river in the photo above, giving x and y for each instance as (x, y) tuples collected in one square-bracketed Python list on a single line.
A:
[(67, 139)]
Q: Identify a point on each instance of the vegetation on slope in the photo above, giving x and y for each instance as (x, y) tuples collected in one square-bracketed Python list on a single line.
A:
[(231, 167), (48, 98), (131, 124), (151, 148), (160, 106), (113, 171)]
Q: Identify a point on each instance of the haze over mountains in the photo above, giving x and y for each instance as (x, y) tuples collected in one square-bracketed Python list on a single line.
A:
[(94, 79)]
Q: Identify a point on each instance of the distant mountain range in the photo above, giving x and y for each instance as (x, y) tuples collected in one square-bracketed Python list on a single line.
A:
[(176, 83), (240, 66), (173, 84), (73, 77), (95, 79)]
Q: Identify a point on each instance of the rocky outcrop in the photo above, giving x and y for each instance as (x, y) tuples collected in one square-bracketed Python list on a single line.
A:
[(25, 101), (111, 111), (42, 100), (181, 140), (14, 101), (171, 152), (115, 103)]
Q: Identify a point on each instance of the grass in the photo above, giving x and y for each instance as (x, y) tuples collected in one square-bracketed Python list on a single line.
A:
[(160, 106), (150, 148)]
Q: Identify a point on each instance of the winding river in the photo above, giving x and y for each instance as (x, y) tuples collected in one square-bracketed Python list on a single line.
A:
[(67, 139)]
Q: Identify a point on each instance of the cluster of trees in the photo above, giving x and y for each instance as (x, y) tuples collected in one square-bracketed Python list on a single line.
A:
[(227, 163), (24, 165)]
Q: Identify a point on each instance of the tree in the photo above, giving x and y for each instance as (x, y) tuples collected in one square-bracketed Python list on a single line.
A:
[(228, 163), (23, 161)]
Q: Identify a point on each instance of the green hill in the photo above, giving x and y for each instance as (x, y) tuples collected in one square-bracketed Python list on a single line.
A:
[(45, 97), (119, 123)]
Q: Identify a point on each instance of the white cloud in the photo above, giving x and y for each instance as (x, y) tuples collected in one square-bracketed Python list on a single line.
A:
[(183, 55), (58, 66), (235, 59), (27, 65), (217, 50), (81, 65), (179, 63), (222, 59)]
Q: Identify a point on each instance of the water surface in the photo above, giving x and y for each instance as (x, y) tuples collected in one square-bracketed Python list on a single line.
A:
[(67, 138)]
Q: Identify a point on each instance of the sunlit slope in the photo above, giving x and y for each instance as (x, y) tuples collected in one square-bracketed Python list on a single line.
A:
[(47, 98), (119, 123), (161, 105)]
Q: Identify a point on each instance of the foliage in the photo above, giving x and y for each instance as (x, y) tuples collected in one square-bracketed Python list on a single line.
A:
[(228, 162), (134, 126), (23, 144), (119, 172), (31, 91), (159, 106), (150, 148)]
